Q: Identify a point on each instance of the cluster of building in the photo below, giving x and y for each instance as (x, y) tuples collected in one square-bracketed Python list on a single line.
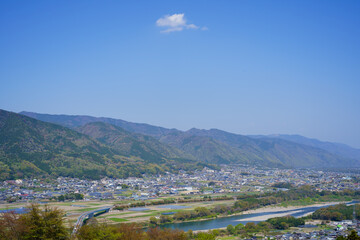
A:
[(208, 181)]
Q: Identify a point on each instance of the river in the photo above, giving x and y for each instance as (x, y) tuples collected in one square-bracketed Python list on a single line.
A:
[(234, 220)]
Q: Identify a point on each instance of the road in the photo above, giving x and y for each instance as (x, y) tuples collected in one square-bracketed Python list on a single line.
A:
[(87, 215)]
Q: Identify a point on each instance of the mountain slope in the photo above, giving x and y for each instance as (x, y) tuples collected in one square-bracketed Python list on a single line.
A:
[(78, 121), (275, 151), (131, 144), (29, 147), (335, 148), (204, 149)]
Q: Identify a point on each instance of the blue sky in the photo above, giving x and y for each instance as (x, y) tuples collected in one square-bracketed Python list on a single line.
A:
[(249, 67)]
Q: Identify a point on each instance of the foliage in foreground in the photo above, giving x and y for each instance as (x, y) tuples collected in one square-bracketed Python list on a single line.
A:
[(47, 223), (37, 223), (95, 231)]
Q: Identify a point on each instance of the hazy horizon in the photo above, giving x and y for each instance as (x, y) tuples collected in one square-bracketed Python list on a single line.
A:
[(245, 67)]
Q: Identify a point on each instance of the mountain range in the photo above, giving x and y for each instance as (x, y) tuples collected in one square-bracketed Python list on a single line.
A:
[(30, 147), (335, 148), (216, 146), (85, 146)]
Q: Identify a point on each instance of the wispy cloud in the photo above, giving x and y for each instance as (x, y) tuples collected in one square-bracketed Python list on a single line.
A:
[(176, 23)]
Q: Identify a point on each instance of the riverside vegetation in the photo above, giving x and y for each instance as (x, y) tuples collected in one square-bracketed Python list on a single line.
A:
[(247, 202), (336, 213)]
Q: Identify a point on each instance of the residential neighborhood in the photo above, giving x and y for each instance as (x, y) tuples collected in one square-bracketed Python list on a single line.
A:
[(229, 179)]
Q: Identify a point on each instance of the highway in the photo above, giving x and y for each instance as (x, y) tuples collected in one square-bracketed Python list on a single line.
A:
[(87, 215)]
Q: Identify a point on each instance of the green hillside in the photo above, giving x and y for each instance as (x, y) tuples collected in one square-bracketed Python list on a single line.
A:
[(335, 148), (74, 121), (275, 152), (204, 149), (131, 144), (29, 147)]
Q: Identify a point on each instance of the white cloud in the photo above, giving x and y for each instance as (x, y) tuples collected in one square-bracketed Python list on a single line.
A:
[(175, 23)]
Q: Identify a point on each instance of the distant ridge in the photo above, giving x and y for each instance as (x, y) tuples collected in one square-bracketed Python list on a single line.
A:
[(335, 148), (74, 121), (276, 152), (217, 146)]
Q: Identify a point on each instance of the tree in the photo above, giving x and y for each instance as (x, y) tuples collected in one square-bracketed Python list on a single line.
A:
[(47, 223), (4, 171), (154, 221), (95, 231), (250, 227), (231, 230), (239, 226), (264, 227), (353, 236), (205, 236), (165, 219), (130, 231), (211, 183), (165, 234), (61, 198), (11, 227)]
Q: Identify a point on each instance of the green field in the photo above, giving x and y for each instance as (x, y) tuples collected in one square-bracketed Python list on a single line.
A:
[(85, 209), (118, 219)]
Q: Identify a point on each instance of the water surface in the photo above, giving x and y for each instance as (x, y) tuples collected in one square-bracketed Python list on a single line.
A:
[(234, 220)]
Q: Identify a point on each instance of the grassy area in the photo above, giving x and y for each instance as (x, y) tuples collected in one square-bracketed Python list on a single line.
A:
[(65, 204), (118, 214), (145, 215), (85, 209), (154, 213), (93, 204), (118, 219), (71, 221), (229, 238)]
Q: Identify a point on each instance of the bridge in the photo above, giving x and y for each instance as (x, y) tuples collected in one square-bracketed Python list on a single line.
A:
[(87, 215)]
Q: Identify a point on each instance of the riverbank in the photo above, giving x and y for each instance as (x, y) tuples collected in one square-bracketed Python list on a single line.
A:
[(265, 213), (284, 211), (278, 211), (277, 208), (255, 215)]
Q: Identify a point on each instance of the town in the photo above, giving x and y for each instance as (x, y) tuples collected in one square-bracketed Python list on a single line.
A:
[(229, 179)]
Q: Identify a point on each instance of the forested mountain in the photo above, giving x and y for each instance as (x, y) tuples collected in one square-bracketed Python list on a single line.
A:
[(212, 146), (29, 147), (335, 148), (204, 148), (131, 144), (73, 121), (228, 147)]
